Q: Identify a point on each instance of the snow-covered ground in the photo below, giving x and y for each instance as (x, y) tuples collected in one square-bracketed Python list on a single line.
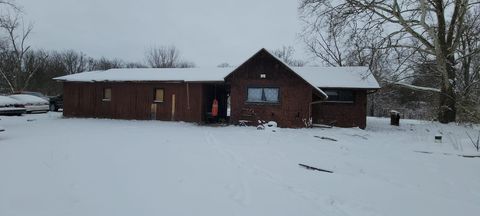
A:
[(57, 167)]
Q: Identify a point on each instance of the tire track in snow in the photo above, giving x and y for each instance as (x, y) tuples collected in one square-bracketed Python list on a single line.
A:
[(241, 192)]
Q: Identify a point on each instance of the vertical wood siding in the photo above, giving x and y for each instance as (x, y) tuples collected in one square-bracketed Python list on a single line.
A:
[(295, 94), (132, 100), (343, 114)]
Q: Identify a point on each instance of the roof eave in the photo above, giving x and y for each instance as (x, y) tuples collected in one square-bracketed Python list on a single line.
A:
[(352, 88)]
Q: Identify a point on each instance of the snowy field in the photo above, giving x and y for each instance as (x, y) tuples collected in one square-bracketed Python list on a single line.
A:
[(51, 166)]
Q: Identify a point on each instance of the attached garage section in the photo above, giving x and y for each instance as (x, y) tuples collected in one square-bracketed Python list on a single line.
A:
[(347, 110)]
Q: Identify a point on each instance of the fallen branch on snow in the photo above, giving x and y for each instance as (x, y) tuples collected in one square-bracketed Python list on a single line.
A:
[(470, 156), (424, 152), (314, 168), (326, 138)]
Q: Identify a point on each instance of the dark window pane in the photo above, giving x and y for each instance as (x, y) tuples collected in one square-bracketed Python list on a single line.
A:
[(346, 95), (332, 95), (340, 95)]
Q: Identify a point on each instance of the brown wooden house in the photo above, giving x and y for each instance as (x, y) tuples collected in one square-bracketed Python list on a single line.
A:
[(262, 88)]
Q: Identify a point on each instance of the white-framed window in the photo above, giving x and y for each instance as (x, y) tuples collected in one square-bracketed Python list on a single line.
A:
[(263, 95)]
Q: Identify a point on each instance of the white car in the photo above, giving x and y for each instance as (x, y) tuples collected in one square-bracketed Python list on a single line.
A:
[(10, 106), (33, 104)]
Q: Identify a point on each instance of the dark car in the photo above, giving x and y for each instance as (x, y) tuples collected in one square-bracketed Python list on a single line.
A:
[(56, 103)]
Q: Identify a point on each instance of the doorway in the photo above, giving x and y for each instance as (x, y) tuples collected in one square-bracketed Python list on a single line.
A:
[(221, 93)]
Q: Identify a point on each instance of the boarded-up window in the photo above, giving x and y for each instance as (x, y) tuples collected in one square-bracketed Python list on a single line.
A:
[(107, 94), (158, 95), (263, 95)]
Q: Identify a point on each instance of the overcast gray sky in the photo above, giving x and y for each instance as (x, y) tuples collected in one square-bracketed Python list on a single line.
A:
[(207, 32)]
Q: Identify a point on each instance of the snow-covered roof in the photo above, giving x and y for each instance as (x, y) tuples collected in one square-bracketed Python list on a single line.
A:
[(318, 77), (322, 77), (339, 77), (151, 74)]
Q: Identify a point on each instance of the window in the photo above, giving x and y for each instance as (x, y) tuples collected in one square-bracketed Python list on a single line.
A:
[(107, 94), (158, 95), (262, 95), (337, 95)]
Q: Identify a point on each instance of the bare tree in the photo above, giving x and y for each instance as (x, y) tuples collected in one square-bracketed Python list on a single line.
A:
[(162, 57), (286, 55), (105, 64), (135, 65), (74, 62), (468, 85), (429, 28), (166, 57), (13, 66), (325, 39), (185, 64), (8, 6)]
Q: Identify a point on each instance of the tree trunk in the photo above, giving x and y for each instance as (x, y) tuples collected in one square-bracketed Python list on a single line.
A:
[(447, 111)]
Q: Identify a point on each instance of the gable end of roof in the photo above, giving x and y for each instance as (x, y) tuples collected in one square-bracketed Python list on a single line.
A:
[(263, 50)]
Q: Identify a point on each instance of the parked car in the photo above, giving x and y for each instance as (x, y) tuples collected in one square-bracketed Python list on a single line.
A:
[(33, 104), (38, 94), (56, 103), (10, 106)]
